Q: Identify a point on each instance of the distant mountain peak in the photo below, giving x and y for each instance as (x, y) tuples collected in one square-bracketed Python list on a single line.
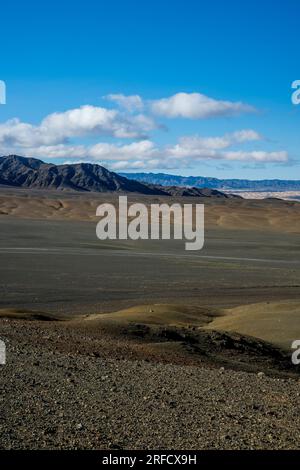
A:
[(164, 179), (33, 173), (24, 172)]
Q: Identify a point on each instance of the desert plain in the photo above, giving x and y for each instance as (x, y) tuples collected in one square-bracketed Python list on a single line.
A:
[(141, 344)]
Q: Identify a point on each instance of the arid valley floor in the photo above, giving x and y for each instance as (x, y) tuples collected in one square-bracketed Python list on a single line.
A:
[(140, 345)]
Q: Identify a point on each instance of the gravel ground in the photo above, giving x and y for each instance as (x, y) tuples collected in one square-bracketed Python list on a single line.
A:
[(57, 400)]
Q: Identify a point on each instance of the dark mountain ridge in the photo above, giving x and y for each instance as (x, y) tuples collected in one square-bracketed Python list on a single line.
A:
[(33, 173), (17, 171)]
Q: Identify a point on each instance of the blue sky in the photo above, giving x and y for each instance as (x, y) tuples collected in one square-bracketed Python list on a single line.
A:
[(209, 85)]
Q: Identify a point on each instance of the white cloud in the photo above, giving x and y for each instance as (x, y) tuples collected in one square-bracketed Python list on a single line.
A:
[(135, 165), (195, 146), (14, 132), (246, 135), (144, 122), (107, 152), (184, 105), (52, 137), (58, 128), (257, 156), (54, 151), (81, 121), (100, 152), (146, 155), (96, 120), (196, 106), (129, 102)]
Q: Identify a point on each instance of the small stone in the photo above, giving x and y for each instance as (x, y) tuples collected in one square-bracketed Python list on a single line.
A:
[(260, 374)]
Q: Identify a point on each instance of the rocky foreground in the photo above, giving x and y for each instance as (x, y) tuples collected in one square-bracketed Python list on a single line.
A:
[(66, 398)]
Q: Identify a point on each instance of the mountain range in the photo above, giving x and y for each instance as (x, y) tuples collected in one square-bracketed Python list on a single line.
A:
[(215, 183), (22, 172)]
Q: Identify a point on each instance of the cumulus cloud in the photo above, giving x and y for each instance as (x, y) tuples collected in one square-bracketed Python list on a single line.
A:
[(56, 136), (197, 106), (257, 156), (53, 152), (84, 120), (181, 105), (195, 146), (100, 152), (145, 154), (107, 152), (246, 135), (16, 133), (58, 128), (129, 102)]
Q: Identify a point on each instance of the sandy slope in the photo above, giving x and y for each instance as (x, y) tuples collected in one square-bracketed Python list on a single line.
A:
[(275, 322), (160, 314), (242, 214)]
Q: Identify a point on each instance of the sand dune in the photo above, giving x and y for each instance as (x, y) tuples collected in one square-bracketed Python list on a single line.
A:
[(270, 215), (160, 314), (172, 333), (23, 314), (275, 322)]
